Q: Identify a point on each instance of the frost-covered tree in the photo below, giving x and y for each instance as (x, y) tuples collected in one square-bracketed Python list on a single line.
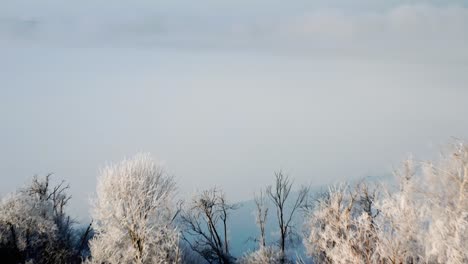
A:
[(350, 225), (401, 225), (329, 226), (34, 226), (342, 226), (133, 214), (27, 227), (445, 189), (424, 220)]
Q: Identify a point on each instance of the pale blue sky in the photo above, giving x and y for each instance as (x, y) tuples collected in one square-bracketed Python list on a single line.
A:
[(227, 92)]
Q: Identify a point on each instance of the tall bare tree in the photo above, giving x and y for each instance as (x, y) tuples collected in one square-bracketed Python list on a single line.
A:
[(285, 211), (205, 224), (264, 254), (261, 217)]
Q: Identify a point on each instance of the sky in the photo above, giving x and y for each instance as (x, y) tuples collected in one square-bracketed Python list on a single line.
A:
[(225, 93)]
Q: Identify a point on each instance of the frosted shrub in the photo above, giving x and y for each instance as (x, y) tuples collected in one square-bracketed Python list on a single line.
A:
[(264, 255)]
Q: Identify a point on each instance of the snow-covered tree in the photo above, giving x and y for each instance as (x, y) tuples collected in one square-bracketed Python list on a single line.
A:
[(27, 225), (35, 227), (425, 220), (342, 226), (329, 225), (401, 224), (445, 191), (133, 214)]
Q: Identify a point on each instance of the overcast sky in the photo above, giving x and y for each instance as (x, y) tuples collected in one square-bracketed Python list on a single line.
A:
[(227, 92)]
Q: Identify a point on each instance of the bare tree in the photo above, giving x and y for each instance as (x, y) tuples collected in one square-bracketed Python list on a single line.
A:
[(133, 214), (264, 254), (279, 195), (261, 217), (205, 224)]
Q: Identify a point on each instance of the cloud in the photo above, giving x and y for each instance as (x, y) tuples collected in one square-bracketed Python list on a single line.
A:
[(417, 29), (406, 30)]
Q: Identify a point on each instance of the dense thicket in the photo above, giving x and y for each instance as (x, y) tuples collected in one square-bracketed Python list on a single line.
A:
[(421, 219)]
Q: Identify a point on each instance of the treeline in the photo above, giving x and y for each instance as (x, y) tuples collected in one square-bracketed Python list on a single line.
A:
[(136, 219)]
